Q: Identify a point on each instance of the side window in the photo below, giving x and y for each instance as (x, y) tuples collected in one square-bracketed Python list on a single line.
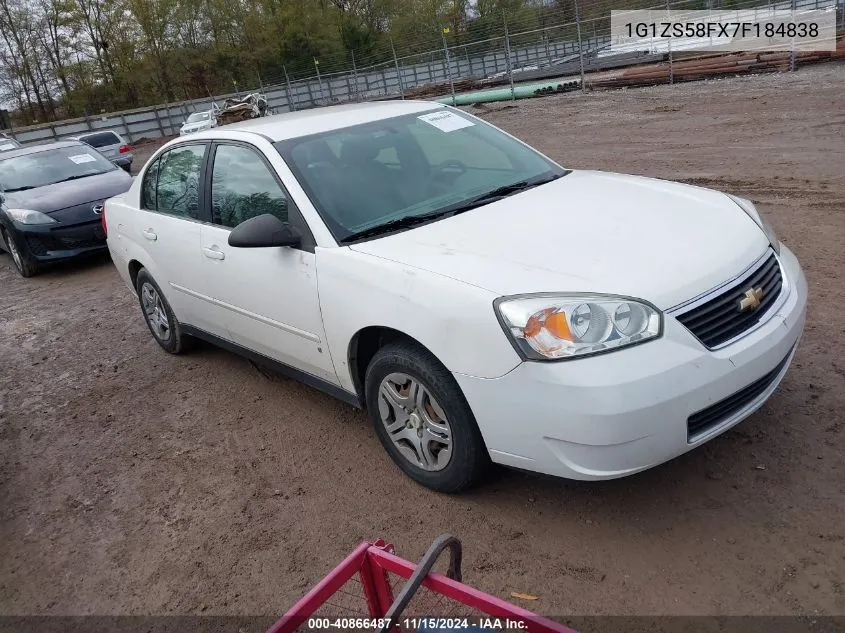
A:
[(148, 187), (242, 187), (177, 192)]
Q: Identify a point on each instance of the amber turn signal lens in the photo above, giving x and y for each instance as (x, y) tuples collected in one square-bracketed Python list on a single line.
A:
[(533, 327), (557, 324)]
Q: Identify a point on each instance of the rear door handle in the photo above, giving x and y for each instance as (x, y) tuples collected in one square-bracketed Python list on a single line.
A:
[(150, 235), (213, 253)]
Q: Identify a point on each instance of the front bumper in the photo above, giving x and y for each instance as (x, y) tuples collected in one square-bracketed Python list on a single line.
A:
[(46, 243), (619, 413)]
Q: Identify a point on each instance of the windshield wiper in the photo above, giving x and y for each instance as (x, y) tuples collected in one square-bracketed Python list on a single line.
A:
[(408, 221), (498, 194), (24, 188), (404, 222), (74, 177)]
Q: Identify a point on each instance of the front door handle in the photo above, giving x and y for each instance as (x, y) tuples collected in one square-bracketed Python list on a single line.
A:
[(213, 253), (150, 235)]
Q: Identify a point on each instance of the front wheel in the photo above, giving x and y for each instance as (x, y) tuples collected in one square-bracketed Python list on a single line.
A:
[(24, 266), (423, 420)]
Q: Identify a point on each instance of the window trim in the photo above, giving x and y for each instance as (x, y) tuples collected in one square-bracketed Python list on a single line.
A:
[(203, 211), (295, 217)]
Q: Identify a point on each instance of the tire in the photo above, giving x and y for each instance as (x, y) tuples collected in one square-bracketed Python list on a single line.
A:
[(25, 267), (434, 409), (159, 316)]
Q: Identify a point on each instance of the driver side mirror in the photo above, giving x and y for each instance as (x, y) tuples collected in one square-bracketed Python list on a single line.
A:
[(263, 231)]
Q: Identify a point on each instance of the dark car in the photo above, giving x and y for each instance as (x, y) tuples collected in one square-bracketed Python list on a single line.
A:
[(51, 200)]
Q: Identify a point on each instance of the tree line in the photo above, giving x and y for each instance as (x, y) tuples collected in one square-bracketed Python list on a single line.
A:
[(70, 58)]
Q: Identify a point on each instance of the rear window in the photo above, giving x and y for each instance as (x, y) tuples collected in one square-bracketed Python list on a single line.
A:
[(101, 139)]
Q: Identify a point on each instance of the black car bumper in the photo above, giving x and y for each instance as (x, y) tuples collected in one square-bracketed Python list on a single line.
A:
[(46, 244)]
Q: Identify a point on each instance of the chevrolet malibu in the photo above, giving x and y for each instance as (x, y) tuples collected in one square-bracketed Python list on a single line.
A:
[(483, 303)]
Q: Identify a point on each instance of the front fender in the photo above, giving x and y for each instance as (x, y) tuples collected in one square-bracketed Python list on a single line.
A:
[(454, 320)]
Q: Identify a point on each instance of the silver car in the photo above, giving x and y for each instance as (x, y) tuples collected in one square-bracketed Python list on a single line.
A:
[(111, 145)]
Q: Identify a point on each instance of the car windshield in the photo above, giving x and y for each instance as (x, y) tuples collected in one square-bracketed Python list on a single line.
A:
[(399, 171), (29, 171), (198, 116)]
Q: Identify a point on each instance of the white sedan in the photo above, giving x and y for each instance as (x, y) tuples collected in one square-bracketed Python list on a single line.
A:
[(482, 302), (198, 122)]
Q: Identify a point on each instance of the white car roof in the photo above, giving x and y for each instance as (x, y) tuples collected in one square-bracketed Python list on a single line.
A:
[(304, 122)]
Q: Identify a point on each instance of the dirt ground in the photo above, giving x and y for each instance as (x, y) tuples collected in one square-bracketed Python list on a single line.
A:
[(134, 482)]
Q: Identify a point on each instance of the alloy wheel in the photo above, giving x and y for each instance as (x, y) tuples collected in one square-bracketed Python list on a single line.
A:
[(14, 252), (155, 312), (415, 422)]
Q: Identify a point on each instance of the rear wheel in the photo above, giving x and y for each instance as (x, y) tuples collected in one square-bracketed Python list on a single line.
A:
[(423, 420), (159, 316), (26, 267)]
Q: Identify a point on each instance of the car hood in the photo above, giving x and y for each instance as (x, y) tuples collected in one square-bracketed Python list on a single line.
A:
[(589, 232), (64, 195)]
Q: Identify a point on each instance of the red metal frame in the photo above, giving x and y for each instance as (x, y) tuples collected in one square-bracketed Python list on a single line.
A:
[(373, 562)]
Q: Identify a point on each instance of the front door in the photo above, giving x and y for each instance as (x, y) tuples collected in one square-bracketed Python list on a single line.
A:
[(268, 295)]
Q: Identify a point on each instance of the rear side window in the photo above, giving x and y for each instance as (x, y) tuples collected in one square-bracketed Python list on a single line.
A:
[(171, 185), (101, 139)]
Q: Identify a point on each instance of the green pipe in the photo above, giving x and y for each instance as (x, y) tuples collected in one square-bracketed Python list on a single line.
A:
[(524, 91)]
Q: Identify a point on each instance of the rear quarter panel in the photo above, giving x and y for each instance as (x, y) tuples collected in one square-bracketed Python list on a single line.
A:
[(124, 226), (453, 320)]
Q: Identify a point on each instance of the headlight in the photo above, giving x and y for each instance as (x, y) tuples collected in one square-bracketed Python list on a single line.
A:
[(754, 214), (28, 216), (549, 327)]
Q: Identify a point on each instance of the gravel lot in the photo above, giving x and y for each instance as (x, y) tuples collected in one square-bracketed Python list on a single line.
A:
[(133, 482)]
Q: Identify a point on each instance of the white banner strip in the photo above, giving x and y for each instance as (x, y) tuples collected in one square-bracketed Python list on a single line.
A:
[(760, 29)]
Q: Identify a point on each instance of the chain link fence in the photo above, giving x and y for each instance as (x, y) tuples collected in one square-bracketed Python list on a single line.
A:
[(566, 43)]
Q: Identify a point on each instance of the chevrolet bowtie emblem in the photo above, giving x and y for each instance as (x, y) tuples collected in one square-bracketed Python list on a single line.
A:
[(751, 299)]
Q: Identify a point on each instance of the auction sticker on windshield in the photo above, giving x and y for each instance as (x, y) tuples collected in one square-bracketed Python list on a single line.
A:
[(445, 121), (82, 158)]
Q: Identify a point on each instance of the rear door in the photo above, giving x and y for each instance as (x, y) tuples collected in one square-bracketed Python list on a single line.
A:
[(269, 294), (168, 228)]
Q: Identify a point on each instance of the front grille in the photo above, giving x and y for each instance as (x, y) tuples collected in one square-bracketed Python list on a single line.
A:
[(720, 319), (72, 244), (715, 414)]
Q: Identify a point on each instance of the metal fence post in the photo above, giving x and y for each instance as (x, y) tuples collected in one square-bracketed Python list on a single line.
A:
[(508, 68), (355, 76), (580, 45), (792, 43), (448, 65), (319, 79), (291, 100), (398, 72), (669, 44)]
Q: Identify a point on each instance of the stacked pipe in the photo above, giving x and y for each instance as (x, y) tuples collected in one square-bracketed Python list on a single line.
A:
[(566, 86), (692, 68)]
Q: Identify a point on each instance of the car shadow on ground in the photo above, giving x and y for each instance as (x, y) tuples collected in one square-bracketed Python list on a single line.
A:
[(57, 270)]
